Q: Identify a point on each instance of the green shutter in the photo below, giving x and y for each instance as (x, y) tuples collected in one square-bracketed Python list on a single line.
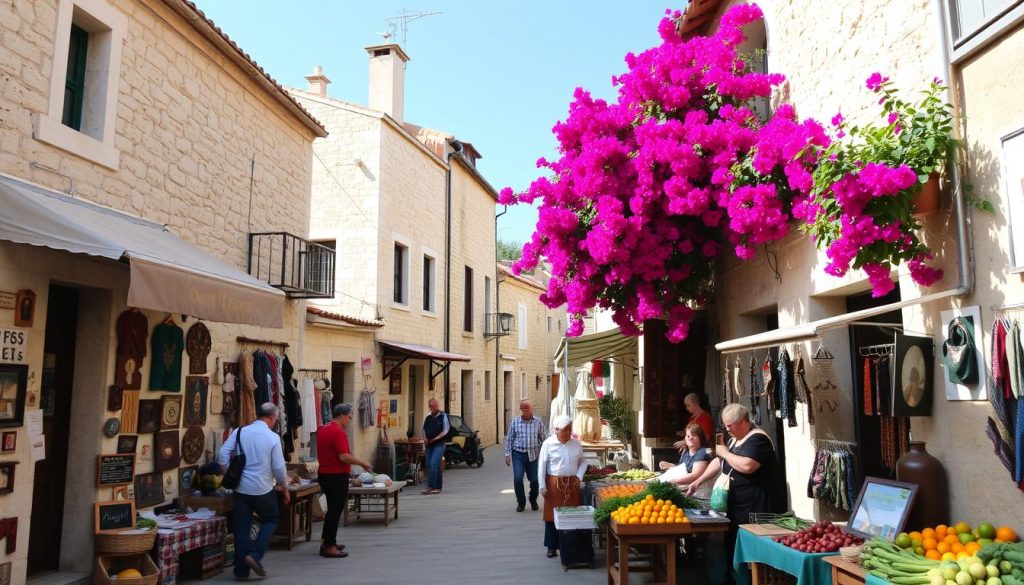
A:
[(74, 85)]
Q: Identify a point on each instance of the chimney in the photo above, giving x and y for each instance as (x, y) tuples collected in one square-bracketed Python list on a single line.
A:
[(387, 79), (318, 82)]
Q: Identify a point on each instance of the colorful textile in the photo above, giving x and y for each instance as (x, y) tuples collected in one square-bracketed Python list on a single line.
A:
[(168, 342)]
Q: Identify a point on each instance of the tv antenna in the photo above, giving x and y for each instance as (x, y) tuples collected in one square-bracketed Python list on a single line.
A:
[(401, 22)]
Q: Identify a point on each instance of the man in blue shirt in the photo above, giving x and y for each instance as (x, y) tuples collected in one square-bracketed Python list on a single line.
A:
[(522, 445), (264, 463)]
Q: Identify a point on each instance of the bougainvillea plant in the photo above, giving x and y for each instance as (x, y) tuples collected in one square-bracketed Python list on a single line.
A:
[(651, 188), (862, 211)]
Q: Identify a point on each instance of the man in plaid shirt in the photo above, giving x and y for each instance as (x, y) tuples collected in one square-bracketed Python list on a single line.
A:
[(522, 445)]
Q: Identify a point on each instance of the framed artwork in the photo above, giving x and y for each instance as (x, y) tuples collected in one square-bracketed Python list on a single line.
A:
[(393, 407), (5, 573), (10, 442), (127, 443), (119, 493), (129, 411), (395, 382), (7, 476), (230, 388), (193, 444), (186, 479), (13, 385), (196, 390), (128, 372), (170, 412), (912, 386), (1013, 171), (115, 397), (972, 320), (167, 451), (148, 489), (24, 313), (149, 416)]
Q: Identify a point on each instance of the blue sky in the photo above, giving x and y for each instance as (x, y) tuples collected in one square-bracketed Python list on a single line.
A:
[(497, 74)]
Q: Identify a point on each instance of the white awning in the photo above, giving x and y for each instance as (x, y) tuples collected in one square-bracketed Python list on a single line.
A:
[(167, 273), (594, 346)]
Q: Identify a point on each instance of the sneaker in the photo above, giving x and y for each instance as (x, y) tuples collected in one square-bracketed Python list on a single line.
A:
[(520, 507)]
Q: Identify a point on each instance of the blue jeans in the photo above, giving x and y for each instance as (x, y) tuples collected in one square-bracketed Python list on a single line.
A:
[(435, 452), (520, 463), (245, 506)]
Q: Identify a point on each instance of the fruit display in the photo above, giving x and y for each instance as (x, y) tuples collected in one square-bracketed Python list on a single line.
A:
[(596, 473), (994, 564), (954, 542), (618, 490), (818, 538), (649, 511), (634, 474), (665, 492)]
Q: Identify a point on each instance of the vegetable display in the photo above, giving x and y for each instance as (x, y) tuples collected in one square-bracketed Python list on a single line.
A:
[(634, 474), (818, 538), (658, 491), (995, 564)]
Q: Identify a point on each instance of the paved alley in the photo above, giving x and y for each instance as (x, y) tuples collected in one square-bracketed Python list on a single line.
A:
[(472, 531)]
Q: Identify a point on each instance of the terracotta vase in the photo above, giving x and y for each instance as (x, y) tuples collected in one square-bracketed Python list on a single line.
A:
[(931, 507), (929, 198)]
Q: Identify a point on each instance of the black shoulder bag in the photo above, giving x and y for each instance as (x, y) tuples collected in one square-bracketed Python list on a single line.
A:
[(233, 476)]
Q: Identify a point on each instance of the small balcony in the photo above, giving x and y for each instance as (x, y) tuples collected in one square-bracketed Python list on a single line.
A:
[(499, 324), (300, 268)]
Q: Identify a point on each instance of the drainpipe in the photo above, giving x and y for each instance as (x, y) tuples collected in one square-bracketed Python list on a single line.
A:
[(456, 149), (497, 338)]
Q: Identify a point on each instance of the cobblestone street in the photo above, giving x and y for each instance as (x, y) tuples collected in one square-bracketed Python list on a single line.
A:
[(469, 534)]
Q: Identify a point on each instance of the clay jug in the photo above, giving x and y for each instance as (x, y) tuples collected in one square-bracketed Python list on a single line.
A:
[(587, 423), (931, 507)]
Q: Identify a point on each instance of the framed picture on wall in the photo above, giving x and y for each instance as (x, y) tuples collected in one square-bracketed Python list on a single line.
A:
[(10, 441), (149, 489), (170, 412), (13, 386), (913, 380), (196, 390), (1013, 171), (395, 382), (149, 416)]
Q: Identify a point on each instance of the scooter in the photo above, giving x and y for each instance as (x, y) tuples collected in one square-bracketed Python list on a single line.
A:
[(468, 451)]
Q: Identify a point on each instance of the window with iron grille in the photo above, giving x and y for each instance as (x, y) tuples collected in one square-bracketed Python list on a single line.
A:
[(467, 318), (320, 262)]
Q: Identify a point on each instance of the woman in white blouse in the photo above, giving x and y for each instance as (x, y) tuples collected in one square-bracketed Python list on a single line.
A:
[(561, 466)]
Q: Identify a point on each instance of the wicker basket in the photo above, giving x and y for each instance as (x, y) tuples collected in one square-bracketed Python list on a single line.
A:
[(125, 542), (107, 567), (851, 553)]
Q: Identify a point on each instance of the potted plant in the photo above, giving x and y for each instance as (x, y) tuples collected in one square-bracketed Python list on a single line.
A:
[(864, 205), (619, 414)]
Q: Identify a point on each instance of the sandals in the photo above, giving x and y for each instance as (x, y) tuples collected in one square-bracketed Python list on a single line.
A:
[(431, 491)]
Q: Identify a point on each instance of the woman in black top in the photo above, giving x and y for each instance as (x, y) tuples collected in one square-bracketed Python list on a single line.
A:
[(750, 461)]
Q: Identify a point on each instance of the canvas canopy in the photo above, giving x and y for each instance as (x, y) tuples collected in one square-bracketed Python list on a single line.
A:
[(576, 351), (167, 273)]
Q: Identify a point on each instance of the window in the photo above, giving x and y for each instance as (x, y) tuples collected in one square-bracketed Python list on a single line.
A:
[(522, 387), (81, 111), (487, 386), (523, 338), (467, 295), (487, 298), (74, 85), (428, 284), (401, 275), (549, 324), (974, 23), (320, 275)]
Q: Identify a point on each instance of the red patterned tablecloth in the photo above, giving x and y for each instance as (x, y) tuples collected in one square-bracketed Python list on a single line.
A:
[(171, 543)]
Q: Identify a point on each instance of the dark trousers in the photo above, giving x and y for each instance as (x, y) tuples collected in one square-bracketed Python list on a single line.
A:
[(335, 489), (263, 506), (521, 463), (550, 535)]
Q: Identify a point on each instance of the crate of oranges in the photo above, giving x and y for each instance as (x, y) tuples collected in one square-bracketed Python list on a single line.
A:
[(954, 542), (650, 516), (618, 490)]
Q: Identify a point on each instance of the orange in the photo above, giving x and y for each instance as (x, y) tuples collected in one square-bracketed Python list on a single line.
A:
[(927, 533), (957, 548), (929, 544), (940, 530), (933, 555), (972, 547), (1005, 533), (962, 527), (951, 539), (915, 535), (942, 547)]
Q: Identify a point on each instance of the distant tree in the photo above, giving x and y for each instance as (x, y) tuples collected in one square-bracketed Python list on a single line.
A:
[(509, 250)]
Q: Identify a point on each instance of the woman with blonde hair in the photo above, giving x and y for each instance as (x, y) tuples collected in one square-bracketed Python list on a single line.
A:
[(750, 460)]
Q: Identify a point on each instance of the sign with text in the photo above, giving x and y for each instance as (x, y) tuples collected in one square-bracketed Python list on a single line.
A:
[(13, 346), (8, 300), (114, 515), (115, 469)]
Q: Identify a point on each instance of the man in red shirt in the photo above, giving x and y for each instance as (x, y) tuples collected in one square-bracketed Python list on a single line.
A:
[(336, 461)]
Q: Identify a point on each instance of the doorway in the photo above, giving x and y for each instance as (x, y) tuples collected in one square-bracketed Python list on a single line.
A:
[(56, 389), (415, 396), (506, 387), (466, 398)]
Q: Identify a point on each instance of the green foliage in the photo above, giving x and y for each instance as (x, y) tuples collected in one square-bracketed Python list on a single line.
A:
[(619, 414), (509, 250), (604, 512)]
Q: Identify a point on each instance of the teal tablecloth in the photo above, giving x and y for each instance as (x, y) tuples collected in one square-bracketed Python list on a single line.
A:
[(808, 568), (873, 580)]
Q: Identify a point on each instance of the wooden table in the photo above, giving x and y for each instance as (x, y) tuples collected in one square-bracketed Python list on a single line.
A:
[(296, 517), (602, 448), (200, 534), (846, 573), (373, 500), (661, 537)]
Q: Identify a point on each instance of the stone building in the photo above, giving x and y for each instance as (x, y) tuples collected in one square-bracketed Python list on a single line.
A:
[(785, 299), (401, 204), (139, 148)]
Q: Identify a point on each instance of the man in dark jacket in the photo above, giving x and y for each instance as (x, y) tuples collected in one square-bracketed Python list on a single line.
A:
[(435, 434)]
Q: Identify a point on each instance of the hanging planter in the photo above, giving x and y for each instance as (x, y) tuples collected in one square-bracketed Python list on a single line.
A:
[(929, 198)]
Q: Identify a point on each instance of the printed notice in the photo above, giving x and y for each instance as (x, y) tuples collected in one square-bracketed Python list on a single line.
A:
[(34, 422), (13, 343), (38, 448)]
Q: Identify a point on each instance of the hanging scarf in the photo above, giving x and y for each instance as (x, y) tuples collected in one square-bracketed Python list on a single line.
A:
[(869, 401), (801, 386), (756, 390)]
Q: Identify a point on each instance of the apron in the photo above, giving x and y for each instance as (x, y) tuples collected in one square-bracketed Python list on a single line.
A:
[(562, 491)]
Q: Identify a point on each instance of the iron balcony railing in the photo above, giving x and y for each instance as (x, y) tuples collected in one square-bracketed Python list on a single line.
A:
[(302, 269), (499, 324)]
